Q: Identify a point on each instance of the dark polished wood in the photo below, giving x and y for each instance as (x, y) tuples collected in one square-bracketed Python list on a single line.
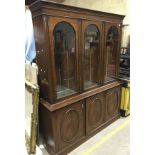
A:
[(95, 112), (42, 46), (112, 102), (76, 98), (70, 124), (51, 140), (64, 127), (55, 9), (77, 57), (28, 2)]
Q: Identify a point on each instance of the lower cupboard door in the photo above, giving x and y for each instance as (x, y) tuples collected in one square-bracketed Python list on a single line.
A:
[(112, 103), (95, 112), (70, 122)]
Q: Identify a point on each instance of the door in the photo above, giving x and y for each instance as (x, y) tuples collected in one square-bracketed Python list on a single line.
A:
[(112, 103), (95, 112), (70, 124), (112, 50), (91, 56), (63, 34)]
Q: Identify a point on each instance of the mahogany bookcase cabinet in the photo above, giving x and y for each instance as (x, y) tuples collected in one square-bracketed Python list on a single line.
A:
[(78, 63)]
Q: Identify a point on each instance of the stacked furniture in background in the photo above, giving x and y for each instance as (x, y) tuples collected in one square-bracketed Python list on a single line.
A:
[(125, 63), (125, 78)]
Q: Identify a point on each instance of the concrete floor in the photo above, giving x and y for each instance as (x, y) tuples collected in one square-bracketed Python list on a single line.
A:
[(113, 140)]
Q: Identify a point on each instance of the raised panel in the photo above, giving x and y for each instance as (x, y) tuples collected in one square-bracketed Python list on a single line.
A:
[(95, 112), (70, 124), (112, 102), (46, 127)]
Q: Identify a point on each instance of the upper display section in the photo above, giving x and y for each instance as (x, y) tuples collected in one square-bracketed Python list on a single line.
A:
[(77, 49)]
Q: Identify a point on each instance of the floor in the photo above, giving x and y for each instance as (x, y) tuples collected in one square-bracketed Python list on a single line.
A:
[(113, 140)]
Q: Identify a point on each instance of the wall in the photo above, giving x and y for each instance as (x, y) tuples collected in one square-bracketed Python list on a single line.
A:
[(112, 6)]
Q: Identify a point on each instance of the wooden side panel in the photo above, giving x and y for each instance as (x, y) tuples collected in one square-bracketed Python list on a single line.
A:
[(95, 112), (46, 127), (112, 103), (42, 57)]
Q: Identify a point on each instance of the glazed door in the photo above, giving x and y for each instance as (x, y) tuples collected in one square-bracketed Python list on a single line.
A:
[(63, 34), (95, 112), (91, 57), (112, 103), (112, 50)]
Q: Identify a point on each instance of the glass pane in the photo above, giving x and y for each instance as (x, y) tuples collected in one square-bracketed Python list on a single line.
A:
[(91, 56), (65, 59), (111, 47)]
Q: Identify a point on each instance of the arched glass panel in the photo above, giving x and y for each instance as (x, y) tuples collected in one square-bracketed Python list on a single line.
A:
[(91, 57), (111, 47), (65, 59)]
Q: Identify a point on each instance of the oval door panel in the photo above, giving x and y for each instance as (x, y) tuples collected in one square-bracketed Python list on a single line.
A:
[(94, 111), (69, 125), (112, 103)]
